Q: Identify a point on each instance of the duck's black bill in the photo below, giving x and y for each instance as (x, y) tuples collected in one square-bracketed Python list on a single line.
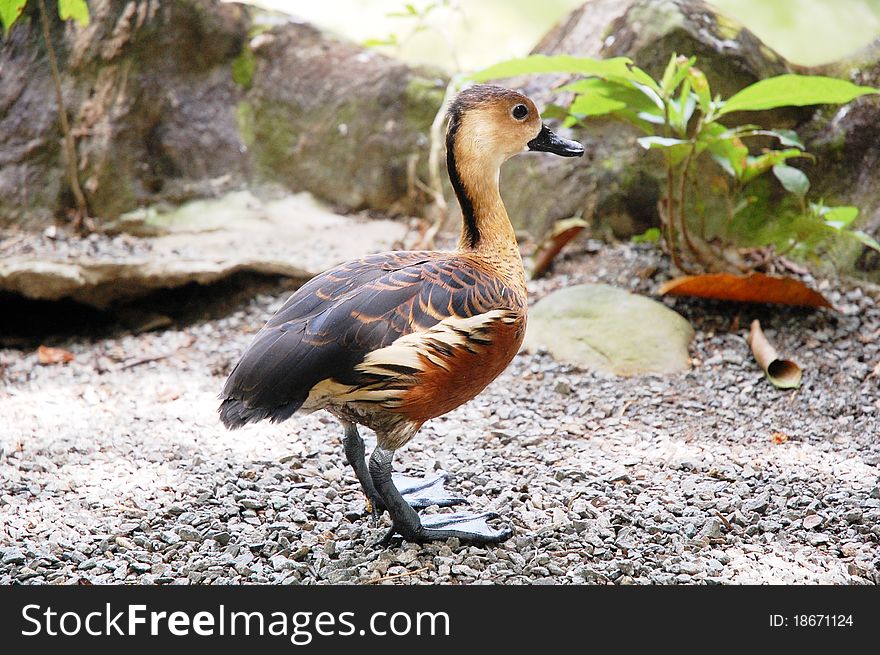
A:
[(547, 141)]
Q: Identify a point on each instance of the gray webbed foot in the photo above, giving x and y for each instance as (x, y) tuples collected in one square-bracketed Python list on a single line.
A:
[(470, 528), (420, 493)]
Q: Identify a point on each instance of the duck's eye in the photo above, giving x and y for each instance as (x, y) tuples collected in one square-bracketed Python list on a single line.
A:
[(520, 112)]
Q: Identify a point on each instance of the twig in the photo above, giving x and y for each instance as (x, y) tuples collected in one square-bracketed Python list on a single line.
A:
[(156, 358), (398, 575), (435, 183), (708, 260), (682, 194), (724, 521), (69, 146), (704, 259), (144, 360), (666, 217)]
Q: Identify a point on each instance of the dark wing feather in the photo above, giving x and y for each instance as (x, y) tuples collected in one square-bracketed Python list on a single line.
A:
[(326, 328)]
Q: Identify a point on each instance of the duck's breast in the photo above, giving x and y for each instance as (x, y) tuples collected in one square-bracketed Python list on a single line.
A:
[(452, 362)]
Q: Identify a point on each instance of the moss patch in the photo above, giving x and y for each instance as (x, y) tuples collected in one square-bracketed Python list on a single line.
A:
[(272, 135), (423, 98), (727, 28), (243, 68)]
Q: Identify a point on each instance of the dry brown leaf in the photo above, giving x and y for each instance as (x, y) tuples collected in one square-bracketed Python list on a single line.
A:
[(755, 287), (562, 232), (167, 394), (48, 355), (779, 437), (782, 373)]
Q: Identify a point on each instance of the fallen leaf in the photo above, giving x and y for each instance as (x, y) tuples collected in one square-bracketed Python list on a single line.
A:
[(782, 373), (167, 394), (47, 355), (755, 287), (560, 234), (779, 437)]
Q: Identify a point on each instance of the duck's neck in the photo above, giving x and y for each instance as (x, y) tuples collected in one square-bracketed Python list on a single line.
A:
[(485, 226)]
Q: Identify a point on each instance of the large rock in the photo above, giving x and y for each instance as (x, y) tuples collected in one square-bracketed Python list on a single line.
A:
[(181, 99), (150, 97), (604, 328), (846, 142), (327, 116), (202, 241)]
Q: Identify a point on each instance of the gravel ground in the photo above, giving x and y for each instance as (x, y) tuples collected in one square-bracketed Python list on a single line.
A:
[(60, 244), (115, 469)]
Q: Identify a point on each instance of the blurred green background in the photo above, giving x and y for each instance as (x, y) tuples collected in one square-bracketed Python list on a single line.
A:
[(470, 34)]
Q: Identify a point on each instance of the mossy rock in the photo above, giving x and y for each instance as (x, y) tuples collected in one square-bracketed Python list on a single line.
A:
[(327, 116), (846, 143), (191, 98), (603, 328)]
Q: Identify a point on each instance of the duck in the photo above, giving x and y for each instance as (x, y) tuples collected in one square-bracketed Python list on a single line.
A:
[(392, 340)]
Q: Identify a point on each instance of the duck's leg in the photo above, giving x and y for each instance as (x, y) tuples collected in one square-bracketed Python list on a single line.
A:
[(417, 492), (354, 453), (473, 528)]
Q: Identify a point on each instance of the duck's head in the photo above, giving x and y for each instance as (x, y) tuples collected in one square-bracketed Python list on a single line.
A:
[(491, 124)]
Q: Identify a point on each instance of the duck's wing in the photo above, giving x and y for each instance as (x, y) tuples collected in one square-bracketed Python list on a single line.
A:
[(331, 325)]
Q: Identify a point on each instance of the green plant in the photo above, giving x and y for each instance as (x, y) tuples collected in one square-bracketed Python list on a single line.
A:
[(683, 121), (10, 11), (420, 18)]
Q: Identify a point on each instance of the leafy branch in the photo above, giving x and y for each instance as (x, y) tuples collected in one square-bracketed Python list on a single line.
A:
[(681, 119)]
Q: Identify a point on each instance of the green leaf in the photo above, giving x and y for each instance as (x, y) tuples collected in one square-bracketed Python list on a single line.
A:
[(675, 150), (755, 166), (727, 165), (390, 40), (725, 147), (794, 90), (792, 179), (640, 120), (589, 104), (660, 142), (554, 111), (666, 80), (626, 95), (680, 110), (839, 218), (865, 239), (10, 10), (618, 66), (651, 235), (78, 10), (680, 66), (786, 137), (638, 76), (700, 86)]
